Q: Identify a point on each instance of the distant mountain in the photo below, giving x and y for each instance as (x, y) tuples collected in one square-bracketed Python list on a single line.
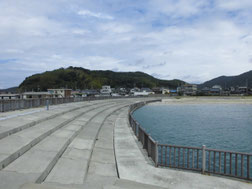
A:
[(9, 90), (80, 78), (230, 81)]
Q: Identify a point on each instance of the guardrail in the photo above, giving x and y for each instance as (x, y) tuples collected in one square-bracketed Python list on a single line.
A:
[(148, 143), (17, 104), (201, 159), (10, 105)]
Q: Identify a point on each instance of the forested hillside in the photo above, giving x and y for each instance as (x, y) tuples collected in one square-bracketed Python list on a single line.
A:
[(80, 78)]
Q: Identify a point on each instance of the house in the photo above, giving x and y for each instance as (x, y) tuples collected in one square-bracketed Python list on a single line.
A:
[(90, 92), (173, 92), (205, 91), (148, 90), (9, 96), (188, 89), (121, 91), (243, 90), (165, 91), (157, 90), (161, 90), (78, 94), (106, 90), (60, 93), (216, 90), (133, 90), (143, 92), (28, 95), (140, 93)]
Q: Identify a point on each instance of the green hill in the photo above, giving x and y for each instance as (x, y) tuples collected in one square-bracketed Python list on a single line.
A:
[(230, 81), (80, 78), (9, 90)]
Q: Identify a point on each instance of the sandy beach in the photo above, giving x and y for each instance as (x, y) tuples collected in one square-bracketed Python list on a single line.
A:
[(205, 100)]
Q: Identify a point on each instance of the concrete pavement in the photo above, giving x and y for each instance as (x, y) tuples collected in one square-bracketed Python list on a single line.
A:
[(86, 145)]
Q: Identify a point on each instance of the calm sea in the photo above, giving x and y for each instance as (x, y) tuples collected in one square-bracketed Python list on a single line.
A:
[(218, 126)]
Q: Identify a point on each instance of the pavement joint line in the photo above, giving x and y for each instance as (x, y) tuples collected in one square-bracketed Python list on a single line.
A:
[(35, 141), (47, 172), (92, 149), (33, 123), (116, 164), (93, 145)]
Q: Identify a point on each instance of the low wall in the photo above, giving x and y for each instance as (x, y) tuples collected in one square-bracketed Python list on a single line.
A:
[(11, 105), (17, 104)]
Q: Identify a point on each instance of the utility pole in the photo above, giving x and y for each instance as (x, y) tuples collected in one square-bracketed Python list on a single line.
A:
[(247, 86)]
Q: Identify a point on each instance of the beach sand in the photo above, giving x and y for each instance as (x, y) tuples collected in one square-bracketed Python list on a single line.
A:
[(205, 100)]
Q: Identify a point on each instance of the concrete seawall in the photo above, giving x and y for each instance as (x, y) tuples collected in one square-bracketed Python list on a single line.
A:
[(85, 145)]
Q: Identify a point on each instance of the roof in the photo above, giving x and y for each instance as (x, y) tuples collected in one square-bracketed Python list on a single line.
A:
[(61, 89), (36, 93), (9, 95), (215, 90), (90, 91), (173, 91), (146, 89)]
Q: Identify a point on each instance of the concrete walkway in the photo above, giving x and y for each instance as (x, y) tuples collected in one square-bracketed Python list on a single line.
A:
[(134, 165), (85, 145)]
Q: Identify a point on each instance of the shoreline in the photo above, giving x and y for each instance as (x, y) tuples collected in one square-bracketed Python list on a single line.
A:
[(205, 100)]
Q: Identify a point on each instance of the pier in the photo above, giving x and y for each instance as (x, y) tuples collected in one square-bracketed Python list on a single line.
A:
[(87, 144)]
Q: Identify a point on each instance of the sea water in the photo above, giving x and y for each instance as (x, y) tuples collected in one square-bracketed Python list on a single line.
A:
[(218, 126)]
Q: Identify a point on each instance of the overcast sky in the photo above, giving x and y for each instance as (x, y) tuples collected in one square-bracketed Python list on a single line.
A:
[(192, 40)]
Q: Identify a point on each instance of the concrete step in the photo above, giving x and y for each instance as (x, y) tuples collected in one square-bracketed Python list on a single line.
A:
[(103, 157), (16, 124), (15, 145), (72, 167), (40, 159)]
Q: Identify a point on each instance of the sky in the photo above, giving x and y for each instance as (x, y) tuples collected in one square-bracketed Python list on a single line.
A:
[(191, 40)]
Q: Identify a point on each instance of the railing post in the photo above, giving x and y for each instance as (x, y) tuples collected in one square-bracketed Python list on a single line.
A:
[(137, 130), (156, 154), (203, 159), (47, 104), (2, 106)]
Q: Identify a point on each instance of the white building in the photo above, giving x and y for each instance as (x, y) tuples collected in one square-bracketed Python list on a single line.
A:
[(133, 90), (165, 91), (60, 93), (28, 95), (9, 96), (217, 87), (106, 90), (143, 92)]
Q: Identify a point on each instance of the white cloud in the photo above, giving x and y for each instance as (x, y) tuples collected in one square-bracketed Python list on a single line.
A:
[(185, 39), (202, 51), (13, 51), (178, 8), (232, 5), (94, 14), (116, 27), (80, 31)]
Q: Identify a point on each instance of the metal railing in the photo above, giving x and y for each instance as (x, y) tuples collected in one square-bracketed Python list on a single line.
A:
[(148, 143), (204, 160)]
